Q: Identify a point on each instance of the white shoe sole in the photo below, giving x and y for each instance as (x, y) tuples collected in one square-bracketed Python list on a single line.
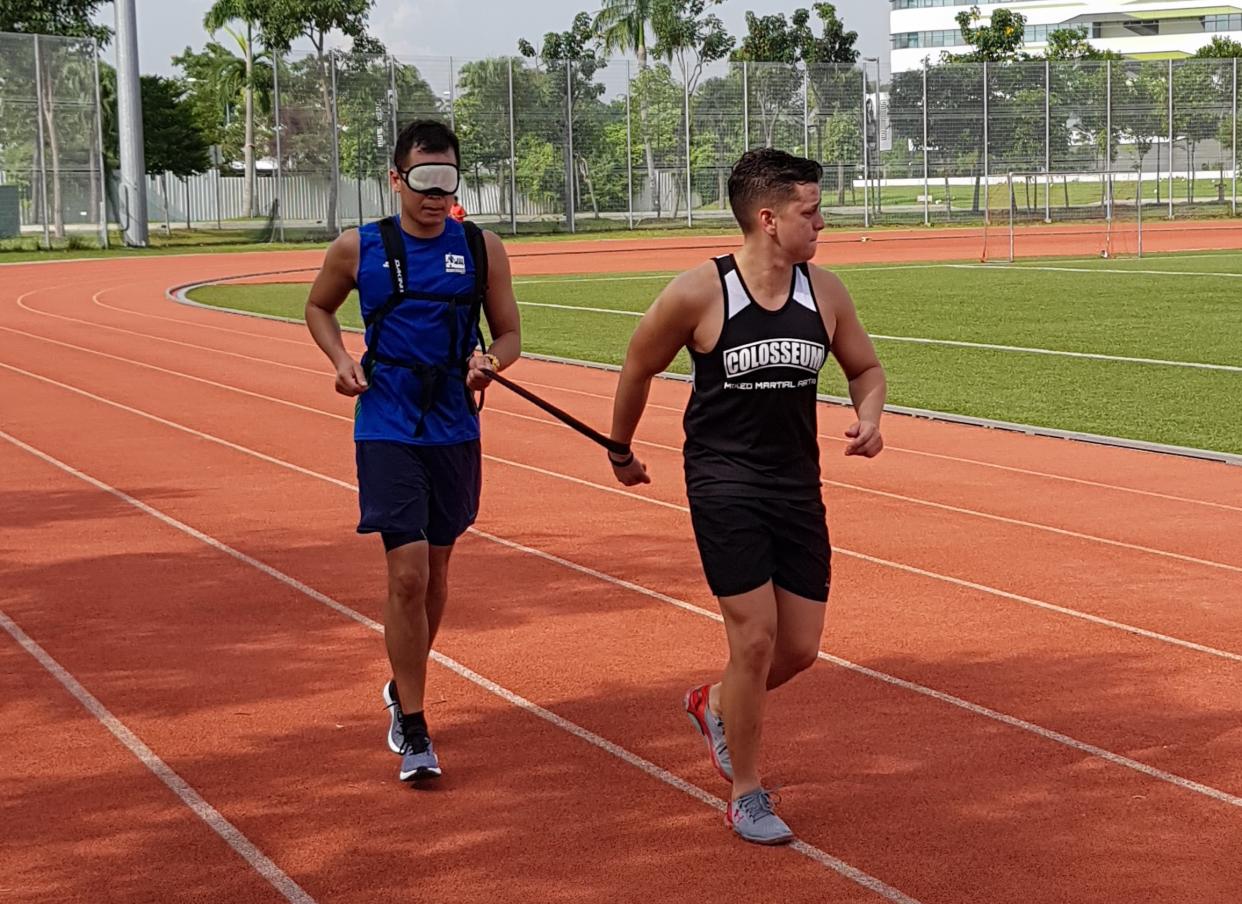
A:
[(419, 775), (392, 720)]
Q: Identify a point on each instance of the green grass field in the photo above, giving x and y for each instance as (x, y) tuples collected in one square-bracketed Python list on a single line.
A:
[(1188, 311), (238, 240)]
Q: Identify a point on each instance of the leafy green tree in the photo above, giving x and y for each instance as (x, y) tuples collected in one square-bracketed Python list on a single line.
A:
[(70, 18), (623, 25), (173, 141), (997, 40), (282, 22)]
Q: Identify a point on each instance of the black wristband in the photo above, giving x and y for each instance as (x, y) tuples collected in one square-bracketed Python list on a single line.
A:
[(629, 457)]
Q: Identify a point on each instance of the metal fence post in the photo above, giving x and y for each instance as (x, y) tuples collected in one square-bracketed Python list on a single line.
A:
[(167, 206), (1011, 204), (569, 174), (1234, 193), (278, 200), (394, 200), (512, 158), (215, 154), (926, 173), (866, 155), (806, 112), (1108, 145), (42, 164), (452, 97), (1047, 141), (103, 174), (745, 106), (689, 177), (987, 188), (629, 152), (335, 191), (1170, 139)]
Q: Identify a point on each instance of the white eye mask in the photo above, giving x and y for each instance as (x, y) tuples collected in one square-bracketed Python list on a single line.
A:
[(432, 178)]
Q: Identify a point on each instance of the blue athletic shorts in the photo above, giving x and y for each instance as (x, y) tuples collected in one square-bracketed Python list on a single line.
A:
[(409, 492)]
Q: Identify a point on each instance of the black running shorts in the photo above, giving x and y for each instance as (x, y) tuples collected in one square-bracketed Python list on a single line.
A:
[(410, 492), (744, 542)]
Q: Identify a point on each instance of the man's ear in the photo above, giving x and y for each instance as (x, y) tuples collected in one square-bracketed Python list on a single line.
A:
[(765, 219)]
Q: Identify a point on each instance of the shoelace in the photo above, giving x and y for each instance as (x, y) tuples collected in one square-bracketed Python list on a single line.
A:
[(414, 737), (758, 804)]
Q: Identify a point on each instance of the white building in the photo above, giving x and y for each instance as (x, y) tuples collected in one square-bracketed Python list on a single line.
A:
[(1140, 29)]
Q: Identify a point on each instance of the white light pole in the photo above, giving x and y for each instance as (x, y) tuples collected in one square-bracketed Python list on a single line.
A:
[(129, 127)]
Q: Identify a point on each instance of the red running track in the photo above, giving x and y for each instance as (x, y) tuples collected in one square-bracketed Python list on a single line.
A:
[(1029, 693)]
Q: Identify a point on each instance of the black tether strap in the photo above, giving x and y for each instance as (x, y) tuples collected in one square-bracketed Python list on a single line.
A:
[(610, 444)]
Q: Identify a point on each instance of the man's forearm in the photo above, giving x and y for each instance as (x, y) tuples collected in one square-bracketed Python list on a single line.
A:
[(868, 391), (326, 332), (507, 348), (628, 405)]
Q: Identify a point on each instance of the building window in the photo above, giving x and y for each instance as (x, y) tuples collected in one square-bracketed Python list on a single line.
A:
[(927, 4), (945, 38), (1222, 23)]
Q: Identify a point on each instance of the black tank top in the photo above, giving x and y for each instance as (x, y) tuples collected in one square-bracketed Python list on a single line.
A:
[(750, 424)]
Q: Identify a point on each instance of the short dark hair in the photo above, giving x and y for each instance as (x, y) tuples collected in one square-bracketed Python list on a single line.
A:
[(429, 135), (767, 175)]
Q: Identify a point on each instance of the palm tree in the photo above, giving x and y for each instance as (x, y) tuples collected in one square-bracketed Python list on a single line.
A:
[(622, 25), (221, 13)]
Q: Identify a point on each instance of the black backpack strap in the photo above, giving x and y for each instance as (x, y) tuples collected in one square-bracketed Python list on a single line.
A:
[(476, 241), (394, 249)]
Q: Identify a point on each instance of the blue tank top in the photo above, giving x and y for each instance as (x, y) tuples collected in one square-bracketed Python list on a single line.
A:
[(417, 331)]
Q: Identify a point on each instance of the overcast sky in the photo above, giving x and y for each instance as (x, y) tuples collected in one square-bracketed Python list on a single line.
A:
[(466, 28)]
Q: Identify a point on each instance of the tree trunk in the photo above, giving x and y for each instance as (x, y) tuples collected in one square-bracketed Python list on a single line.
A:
[(53, 141), (840, 183), (586, 177), (248, 204), (96, 177), (648, 152)]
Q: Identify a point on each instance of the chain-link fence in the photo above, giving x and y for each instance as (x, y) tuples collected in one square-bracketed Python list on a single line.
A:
[(594, 145), (51, 135), (1169, 126)]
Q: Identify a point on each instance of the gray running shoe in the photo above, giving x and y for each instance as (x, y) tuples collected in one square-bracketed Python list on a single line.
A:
[(711, 728), (751, 817), (418, 756)]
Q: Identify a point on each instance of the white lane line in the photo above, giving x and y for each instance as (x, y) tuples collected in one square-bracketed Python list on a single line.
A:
[(1021, 724), (203, 348), (632, 759), (972, 461), (910, 569), (232, 836), (1012, 721)]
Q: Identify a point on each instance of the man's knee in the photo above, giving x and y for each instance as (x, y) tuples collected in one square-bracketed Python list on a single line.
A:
[(754, 648), (800, 656), (408, 577)]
